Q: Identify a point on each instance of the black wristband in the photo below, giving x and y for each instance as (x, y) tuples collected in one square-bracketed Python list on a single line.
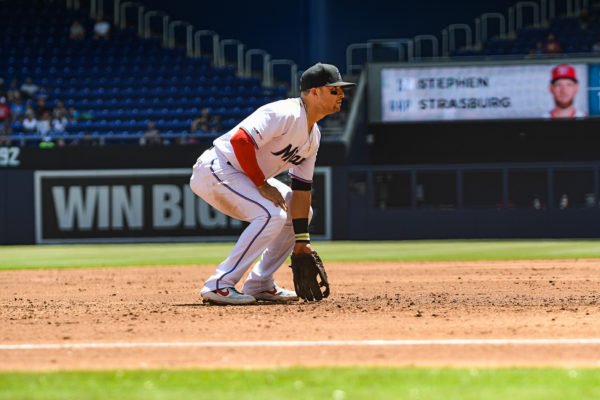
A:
[(300, 225), (300, 185)]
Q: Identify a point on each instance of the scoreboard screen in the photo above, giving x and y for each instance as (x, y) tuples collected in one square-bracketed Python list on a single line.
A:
[(451, 92)]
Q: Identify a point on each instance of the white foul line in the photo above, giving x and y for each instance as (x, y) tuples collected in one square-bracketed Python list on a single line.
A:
[(330, 343)]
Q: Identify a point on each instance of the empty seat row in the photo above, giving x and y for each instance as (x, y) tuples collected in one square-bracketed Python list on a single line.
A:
[(169, 103), (197, 91), (120, 84)]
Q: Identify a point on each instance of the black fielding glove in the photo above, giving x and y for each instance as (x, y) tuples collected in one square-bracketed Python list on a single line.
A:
[(305, 268)]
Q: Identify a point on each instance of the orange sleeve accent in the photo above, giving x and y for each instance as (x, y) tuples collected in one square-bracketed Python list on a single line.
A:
[(245, 152)]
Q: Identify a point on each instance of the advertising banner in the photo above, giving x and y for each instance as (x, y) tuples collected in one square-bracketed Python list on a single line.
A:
[(142, 205)]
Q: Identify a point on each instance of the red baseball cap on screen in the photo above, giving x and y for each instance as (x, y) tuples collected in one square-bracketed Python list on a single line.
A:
[(563, 71)]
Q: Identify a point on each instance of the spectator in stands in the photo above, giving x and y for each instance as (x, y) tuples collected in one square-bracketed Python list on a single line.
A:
[(73, 114), (4, 141), (17, 109), (5, 115), (101, 29), (151, 135), (30, 122), (202, 122), (60, 110), (215, 124), (552, 46), (13, 90), (2, 87), (564, 87), (59, 123), (596, 47), (77, 31), (42, 92), (41, 107), (44, 124), (29, 108), (29, 89)]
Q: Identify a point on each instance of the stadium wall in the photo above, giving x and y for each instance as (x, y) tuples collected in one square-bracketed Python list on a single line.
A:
[(123, 198), (484, 142)]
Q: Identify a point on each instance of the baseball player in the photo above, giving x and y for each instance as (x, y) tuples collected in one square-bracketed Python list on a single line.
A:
[(564, 87), (236, 176)]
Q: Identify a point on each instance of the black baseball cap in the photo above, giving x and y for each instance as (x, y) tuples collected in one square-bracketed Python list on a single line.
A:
[(322, 75)]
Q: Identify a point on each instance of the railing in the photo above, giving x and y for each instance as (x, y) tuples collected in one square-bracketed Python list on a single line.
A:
[(350, 66), (240, 54), (353, 115), (539, 16), (293, 74), (519, 13), (482, 31), (215, 45), (266, 59), (573, 8), (434, 45), (131, 138), (449, 37), (123, 16), (398, 44), (165, 25), (189, 41)]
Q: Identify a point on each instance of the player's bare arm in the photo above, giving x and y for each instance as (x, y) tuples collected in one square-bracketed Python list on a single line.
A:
[(300, 205)]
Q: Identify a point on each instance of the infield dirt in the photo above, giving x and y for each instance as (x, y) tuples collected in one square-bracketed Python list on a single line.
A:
[(539, 299)]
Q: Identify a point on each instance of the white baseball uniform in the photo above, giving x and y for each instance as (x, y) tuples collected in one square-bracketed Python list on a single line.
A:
[(576, 114), (281, 136)]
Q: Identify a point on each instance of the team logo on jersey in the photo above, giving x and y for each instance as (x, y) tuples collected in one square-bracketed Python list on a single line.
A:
[(290, 155)]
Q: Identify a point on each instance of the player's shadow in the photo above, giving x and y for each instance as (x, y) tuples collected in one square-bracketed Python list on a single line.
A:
[(257, 304)]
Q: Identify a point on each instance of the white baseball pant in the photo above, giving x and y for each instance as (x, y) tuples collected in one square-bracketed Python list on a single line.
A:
[(270, 232)]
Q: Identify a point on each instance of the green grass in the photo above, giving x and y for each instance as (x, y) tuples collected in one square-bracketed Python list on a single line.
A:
[(103, 255), (304, 383), (301, 383)]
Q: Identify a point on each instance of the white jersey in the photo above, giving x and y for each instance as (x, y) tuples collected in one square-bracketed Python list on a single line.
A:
[(576, 114), (280, 133)]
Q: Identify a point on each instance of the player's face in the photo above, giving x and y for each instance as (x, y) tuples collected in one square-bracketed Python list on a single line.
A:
[(564, 91), (331, 98)]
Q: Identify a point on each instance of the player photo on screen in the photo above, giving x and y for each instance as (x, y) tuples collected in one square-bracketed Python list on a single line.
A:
[(484, 92), (564, 86)]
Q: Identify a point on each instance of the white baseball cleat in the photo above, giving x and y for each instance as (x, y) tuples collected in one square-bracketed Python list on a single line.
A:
[(277, 294), (228, 296)]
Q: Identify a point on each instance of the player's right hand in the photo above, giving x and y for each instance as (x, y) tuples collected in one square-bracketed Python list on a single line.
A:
[(271, 193)]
